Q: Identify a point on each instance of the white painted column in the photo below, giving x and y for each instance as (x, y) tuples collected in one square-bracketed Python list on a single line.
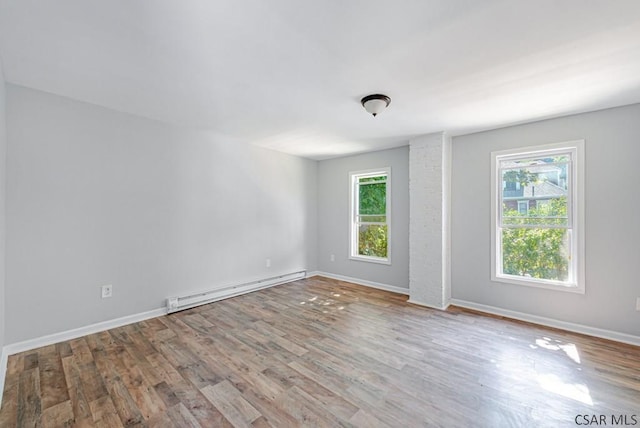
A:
[(429, 220)]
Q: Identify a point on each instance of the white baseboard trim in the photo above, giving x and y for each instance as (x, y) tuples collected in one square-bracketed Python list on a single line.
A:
[(3, 370), (550, 322), (426, 305), (378, 285), (50, 339)]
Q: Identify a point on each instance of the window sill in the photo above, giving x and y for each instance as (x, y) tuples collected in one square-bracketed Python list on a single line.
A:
[(377, 260), (548, 285)]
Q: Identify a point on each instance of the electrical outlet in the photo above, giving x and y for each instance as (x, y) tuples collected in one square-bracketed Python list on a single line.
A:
[(638, 304), (107, 291), (332, 257), (268, 263)]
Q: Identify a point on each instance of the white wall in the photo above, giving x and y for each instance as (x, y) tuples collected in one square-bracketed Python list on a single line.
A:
[(3, 170), (99, 197), (333, 217), (612, 147)]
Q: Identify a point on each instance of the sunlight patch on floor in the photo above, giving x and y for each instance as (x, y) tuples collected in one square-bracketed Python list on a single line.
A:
[(555, 345), (575, 391)]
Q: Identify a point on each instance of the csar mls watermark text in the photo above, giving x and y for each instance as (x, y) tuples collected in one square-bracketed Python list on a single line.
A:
[(607, 420)]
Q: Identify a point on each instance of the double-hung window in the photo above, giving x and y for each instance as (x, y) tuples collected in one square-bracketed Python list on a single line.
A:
[(538, 216), (370, 197)]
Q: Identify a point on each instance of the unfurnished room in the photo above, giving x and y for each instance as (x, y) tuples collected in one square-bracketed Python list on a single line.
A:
[(247, 213)]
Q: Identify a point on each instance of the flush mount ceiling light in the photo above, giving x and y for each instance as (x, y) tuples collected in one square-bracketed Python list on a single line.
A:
[(375, 103)]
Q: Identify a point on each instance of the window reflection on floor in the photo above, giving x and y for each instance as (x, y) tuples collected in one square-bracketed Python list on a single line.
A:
[(574, 391), (553, 382)]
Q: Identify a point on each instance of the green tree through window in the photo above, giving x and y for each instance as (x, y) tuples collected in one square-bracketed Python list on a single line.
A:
[(536, 252), (370, 229)]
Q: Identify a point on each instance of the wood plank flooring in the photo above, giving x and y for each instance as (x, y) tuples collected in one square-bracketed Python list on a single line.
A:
[(320, 352)]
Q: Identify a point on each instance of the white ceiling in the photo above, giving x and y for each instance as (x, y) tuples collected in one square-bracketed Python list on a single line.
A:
[(289, 74)]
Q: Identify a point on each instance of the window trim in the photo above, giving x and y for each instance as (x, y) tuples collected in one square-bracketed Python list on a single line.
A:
[(353, 229), (576, 212)]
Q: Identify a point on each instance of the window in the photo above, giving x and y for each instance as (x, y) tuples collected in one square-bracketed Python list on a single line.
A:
[(537, 231), (370, 215), (523, 207)]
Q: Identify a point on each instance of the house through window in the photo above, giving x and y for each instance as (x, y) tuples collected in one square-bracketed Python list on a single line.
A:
[(538, 216)]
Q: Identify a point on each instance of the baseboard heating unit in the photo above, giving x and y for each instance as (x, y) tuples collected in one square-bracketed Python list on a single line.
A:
[(175, 304)]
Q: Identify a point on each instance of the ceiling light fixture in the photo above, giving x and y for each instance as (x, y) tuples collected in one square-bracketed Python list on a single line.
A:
[(375, 103)]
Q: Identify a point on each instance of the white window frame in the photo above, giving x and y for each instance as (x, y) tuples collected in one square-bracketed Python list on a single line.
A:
[(354, 176), (576, 213)]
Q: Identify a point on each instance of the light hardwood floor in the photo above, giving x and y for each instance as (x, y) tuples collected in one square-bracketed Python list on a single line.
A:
[(321, 352)]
